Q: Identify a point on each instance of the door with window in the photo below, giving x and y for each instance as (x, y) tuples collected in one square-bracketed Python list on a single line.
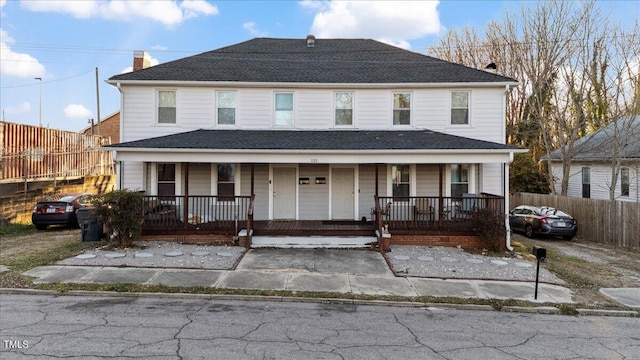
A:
[(284, 193), (342, 193)]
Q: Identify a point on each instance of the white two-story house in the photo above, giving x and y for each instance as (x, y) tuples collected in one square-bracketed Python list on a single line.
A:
[(314, 137)]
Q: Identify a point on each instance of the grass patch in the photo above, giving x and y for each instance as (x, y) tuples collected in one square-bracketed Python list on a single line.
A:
[(25, 261), (16, 230)]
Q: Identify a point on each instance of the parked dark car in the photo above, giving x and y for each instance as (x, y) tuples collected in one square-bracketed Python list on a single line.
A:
[(533, 220), (59, 210)]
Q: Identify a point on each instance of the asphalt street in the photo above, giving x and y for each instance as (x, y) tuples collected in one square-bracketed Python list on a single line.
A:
[(37, 326)]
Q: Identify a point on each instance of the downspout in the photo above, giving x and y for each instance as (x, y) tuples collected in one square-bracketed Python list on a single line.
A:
[(120, 166), (505, 171)]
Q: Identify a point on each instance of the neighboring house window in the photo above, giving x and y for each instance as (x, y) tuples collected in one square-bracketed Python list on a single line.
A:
[(344, 108), (284, 109), (226, 182), (166, 179), (624, 181), (459, 180), (167, 107), (460, 108), (401, 109), (401, 180), (586, 182), (226, 107)]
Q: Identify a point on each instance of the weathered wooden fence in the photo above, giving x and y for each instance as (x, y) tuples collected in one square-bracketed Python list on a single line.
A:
[(609, 222), (32, 153)]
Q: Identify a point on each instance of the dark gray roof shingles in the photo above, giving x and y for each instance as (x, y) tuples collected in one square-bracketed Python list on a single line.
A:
[(312, 140), (350, 61)]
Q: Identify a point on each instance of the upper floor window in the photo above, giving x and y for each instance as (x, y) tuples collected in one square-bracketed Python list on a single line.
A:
[(344, 108), (586, 182), (167, 107), (459, 180), (624, 181), (166, 179), (226, 102), (460, 108), (401, 109), (284, 109), (401, 180), (226, 182)]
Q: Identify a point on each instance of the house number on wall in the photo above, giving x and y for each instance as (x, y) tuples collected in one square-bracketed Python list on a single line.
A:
[(314, 161)]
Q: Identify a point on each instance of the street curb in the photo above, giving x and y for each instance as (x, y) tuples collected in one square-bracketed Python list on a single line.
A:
[(601, 312), (549, 310)]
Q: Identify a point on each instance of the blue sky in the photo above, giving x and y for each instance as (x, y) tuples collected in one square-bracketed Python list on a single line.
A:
[(63, 42)]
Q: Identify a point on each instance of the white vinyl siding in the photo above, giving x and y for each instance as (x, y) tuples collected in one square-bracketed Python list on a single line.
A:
[(427, 180), (261, 189), (600, 181), (314, 109), (313, 201)]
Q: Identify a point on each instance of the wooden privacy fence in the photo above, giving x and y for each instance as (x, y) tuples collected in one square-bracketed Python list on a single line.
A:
[(35, 153), (609, 222)]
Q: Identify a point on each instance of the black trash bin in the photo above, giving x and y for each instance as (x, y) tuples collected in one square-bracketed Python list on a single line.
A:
[(89, 225)]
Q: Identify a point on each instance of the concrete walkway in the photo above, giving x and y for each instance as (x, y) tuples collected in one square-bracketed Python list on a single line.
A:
[(301, 280)]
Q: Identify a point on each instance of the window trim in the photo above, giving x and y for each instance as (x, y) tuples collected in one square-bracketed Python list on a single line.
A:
[(393, 108), (293, 107), (451, 108), (157, 119), (235, 108), (353, 111), (624, 193), (584, 171)]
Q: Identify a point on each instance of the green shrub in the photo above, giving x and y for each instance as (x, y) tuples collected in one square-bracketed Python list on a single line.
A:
[(489, 225), (121, 214)]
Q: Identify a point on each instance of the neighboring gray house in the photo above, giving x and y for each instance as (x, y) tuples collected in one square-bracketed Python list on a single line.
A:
[(318, 130), (594, 158)]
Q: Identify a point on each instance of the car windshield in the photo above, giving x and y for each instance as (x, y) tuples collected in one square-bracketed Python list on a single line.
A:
[(68, 198)]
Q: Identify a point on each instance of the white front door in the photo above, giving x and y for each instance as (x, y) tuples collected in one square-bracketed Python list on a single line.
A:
[(284, 193), (342, 193)]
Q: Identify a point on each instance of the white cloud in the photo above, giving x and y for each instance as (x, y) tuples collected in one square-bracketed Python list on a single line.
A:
[(251, 27), (25, 107), (159, 47), (169, 13), (17, 64), (77, 111), (394, 22)]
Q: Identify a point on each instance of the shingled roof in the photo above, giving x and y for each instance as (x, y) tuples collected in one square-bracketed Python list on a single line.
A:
[(620, 139), (345, 140), (351, 61)]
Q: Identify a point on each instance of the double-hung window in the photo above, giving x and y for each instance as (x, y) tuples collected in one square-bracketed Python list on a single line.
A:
[(166, 180), (166, 107), (624, 181), (402, 109), (226, 102), (460, 108), (344, 109), (284, 109), (586, 182), (401, 181), (226, 182), (459, 180)]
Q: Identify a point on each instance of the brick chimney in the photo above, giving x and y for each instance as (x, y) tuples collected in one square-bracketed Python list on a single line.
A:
[(141, 60)]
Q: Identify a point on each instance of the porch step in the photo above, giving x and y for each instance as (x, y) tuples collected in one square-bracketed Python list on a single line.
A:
[(311, 242)]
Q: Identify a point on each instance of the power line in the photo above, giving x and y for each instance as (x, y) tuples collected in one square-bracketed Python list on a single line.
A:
[(46, 82)]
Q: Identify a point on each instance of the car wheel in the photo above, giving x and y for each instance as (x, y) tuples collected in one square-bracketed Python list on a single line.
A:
[(528, 231), (568, 237), (41, 227)]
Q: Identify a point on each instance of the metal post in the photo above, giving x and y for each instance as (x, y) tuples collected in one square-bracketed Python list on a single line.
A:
[(535, 296)]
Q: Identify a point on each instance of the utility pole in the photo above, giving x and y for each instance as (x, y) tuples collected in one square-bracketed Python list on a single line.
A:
[(40, 79), (98, 101)]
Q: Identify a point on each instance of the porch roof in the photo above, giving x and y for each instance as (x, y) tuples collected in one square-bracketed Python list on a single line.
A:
[(314, 140)]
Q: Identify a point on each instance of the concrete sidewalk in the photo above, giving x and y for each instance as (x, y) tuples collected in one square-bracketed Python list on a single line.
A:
[(299, 280)]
